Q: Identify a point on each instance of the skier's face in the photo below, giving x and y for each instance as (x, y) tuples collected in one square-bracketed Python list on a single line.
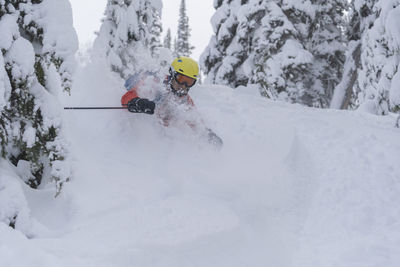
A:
[(179, 89)]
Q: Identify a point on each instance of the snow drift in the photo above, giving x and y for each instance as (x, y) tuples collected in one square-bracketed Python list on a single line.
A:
[(292, 186)]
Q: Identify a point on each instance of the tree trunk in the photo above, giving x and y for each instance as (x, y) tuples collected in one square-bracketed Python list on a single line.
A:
[(344, 90)]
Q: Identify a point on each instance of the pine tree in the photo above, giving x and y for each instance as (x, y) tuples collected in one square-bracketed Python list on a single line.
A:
[(256, 42), (150, 24), (380, 56), (5, 91), (361, 17), (167, 40), (281, 63), (37, 65), (224, 26), (292, 49), (326, 43), (318, 25), (234, 23), (183, 46), (129, 34)]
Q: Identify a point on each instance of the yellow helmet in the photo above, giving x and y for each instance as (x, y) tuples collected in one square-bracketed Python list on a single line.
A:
[(186, 66)]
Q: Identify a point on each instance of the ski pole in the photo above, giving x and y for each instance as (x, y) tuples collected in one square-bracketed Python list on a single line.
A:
[(95, 107)]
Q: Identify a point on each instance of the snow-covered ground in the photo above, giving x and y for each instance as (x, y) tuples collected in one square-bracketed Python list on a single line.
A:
[(292, 187)]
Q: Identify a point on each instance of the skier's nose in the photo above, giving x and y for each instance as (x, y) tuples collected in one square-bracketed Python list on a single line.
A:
[(183, 87)]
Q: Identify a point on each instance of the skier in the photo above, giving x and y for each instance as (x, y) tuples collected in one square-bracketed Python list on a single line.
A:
[(174, 102)]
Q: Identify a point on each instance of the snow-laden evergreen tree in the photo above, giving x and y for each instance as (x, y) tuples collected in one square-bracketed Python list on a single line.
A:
[(150, 15), (316, 26), (228, 47), (281, 63), (292, 49), (327, 44), (38, 44), (5, 91), (255, 42), (379, 77), (183, 46), (126, 35), (168, 40), (360, 18)]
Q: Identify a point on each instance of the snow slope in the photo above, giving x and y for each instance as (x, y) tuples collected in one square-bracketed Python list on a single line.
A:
[(292, 186)]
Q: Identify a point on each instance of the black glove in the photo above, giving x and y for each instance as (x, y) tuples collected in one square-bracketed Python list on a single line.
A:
[(141, 105)]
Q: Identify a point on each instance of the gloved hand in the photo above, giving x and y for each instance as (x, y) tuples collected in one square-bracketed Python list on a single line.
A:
[(141, 105)]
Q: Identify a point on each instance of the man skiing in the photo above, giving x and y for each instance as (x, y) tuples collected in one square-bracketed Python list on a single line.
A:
[(173, 104)]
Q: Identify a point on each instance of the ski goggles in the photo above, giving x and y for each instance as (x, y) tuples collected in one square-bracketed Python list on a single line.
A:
[(184, 80)]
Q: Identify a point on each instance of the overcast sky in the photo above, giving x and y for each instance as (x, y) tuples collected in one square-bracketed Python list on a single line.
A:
[(88, 13)]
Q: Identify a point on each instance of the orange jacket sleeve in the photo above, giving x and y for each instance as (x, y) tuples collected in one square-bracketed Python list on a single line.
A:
[(128, 96)]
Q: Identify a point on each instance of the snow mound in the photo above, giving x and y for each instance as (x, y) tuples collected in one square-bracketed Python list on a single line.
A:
[(292, 186)]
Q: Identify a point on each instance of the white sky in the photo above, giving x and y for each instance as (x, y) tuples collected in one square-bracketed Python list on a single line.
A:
[(88, 13)]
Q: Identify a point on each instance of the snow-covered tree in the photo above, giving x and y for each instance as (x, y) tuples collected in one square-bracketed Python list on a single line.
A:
[(38, 44), (379, 77), (255, 42), (228, 47), (281, 63), (292, 49), (184, 48), (327, 44), (150, 15), (307, 50), (361, 17), (5, 91), (168, 40), (127, 35)]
